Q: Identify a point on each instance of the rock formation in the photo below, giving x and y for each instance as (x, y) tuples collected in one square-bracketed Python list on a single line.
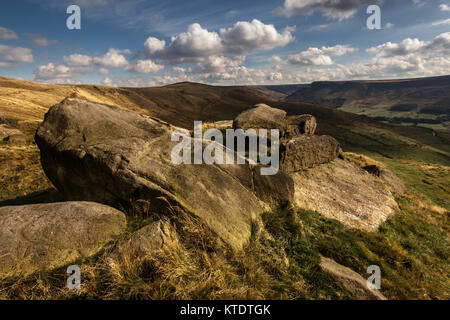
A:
[(301, 124), (304, 151), (106, 154), (261, 116), (47, 236)]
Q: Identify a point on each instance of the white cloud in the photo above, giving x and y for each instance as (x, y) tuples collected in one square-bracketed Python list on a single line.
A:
[(7, 34), (275, 76), (319, 57), (77, 60), (103, 71), (191, 45), (144, 66), (153, 45), (245, 37), (336, 9), (113, 58), (389, 25), (218, 64), (53, 73), (198, 43), (440, 22), (444, 7), (390, 49), (16, 54), (108, 82)]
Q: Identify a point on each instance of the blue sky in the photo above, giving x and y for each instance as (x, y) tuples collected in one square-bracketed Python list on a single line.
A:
[(148, 43)]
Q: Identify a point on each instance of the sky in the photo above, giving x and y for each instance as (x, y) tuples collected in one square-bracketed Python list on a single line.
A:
[(138, 43)]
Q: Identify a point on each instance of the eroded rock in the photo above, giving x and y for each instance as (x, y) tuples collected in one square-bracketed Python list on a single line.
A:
[(47, 236), (350, 280), (305, 151), (343, 191), (106, 154), (301, 124)]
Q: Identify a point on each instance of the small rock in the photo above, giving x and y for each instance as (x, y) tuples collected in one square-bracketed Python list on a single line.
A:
[(351, 280), (301, 124)]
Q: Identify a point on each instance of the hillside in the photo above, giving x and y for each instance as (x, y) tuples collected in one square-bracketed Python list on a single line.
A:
[(423, 101), (280, 264)]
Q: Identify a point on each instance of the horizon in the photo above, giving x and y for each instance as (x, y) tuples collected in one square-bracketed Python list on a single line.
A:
[(147, 44)]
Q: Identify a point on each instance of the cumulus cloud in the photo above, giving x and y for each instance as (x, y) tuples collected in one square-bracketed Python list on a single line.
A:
[(40, 41), (77, 60), (218, 64), (144, 66), (16, 54), (113, 58), (7, 34), (319, 57), (245, 37), (197, 43), (444, 7), (336, 9), (153, 45), (53, 73)]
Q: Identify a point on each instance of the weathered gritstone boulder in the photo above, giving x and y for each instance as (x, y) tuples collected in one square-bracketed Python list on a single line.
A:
[(350, 280), (305, 151), (262, 117), (47, 236), (301, 124), (106, 154), (343, 191)]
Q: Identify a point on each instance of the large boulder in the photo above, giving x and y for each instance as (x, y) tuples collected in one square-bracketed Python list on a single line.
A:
[(47, 236), (305, 151), (301, 124), (343, 191), (106, 154), (350, 280), (261, 116)]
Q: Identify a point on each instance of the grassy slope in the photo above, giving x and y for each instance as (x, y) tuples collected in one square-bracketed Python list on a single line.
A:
[(280, 261)]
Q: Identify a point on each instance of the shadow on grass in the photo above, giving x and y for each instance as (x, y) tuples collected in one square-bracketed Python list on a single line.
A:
[(44, 196)]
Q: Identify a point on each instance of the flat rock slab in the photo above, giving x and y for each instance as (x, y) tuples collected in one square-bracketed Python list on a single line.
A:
[(350, 280), (340, 190), (42, 237)]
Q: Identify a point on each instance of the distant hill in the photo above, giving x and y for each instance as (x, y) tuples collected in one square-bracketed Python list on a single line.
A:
[(424, 101)]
